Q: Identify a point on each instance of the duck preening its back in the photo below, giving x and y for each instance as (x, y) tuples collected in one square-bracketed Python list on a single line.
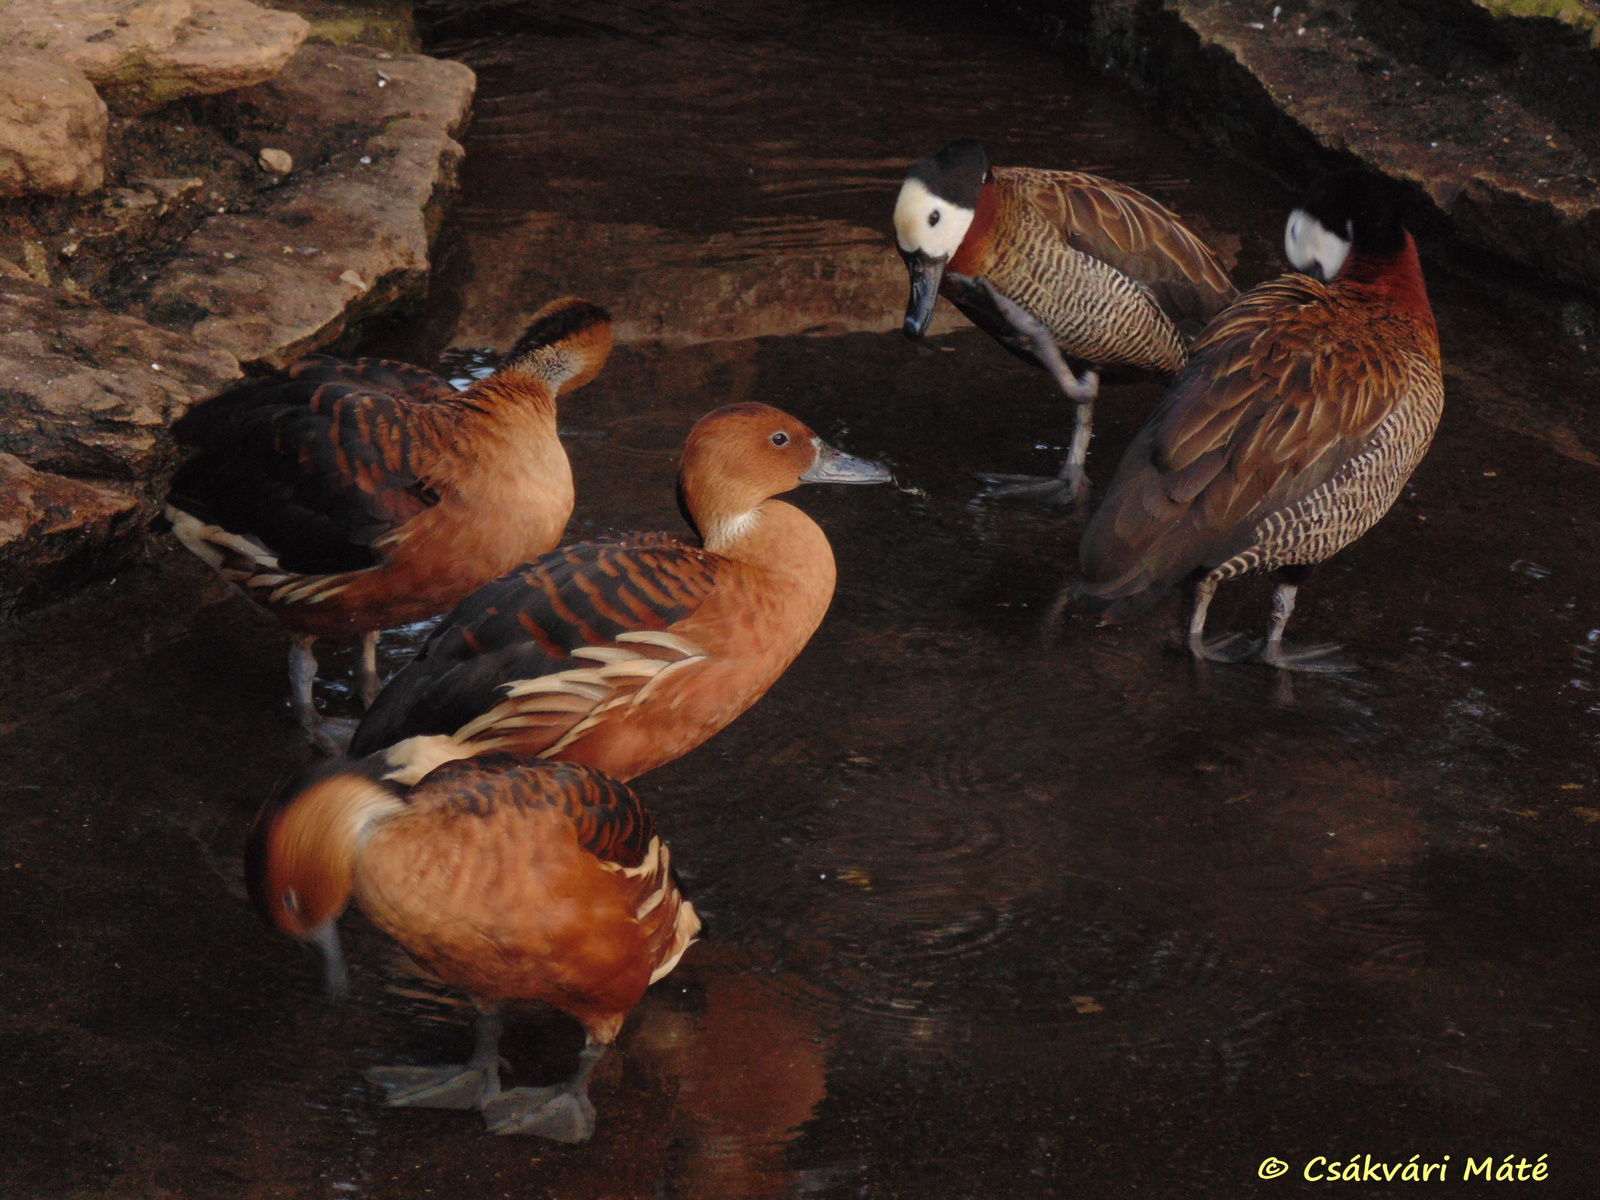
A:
[(1303, 410), (348, 497), (626, 653)]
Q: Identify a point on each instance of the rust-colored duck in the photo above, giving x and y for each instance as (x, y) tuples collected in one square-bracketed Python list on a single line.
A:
[(350, 497), (628, 653), (511, 879), (1058, 267), (1303, 410)]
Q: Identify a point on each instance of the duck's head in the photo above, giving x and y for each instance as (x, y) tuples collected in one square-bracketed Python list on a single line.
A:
[(565, 345), (300, 856), (1347, 213), (741, 456), (937, 204)]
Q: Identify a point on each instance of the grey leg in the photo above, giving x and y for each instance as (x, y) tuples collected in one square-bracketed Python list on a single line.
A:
[(562, 1113), (1070, 483), (471, 1085), (302, 673), (1282, 609), (369, 681), (1217, 649), (328, 735), (1322, 658), (1073, 470)]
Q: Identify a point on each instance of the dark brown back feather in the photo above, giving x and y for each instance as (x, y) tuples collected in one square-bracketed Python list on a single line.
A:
[(526, 624), (318, 463), (1279, 393), (1129, 231), (609, 820)]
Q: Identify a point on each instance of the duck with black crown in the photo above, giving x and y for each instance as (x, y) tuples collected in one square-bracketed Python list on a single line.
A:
[(1303, 411), (1058, 267)]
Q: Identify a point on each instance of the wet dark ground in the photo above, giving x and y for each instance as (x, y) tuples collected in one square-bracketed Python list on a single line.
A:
[(988, 914)]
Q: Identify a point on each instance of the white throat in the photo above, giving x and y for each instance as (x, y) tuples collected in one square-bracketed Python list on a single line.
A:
[(1308, 243), (726, 532), (924, 222)]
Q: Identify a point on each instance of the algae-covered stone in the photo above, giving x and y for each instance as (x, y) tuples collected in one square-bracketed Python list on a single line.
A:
[(141, 54)]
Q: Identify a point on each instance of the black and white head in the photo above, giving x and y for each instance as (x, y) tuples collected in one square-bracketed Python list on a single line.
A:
[(1347, 211), (937, 203)]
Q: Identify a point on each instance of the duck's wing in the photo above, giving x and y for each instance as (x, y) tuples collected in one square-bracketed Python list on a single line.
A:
[(1273, 402), (551, 645), (612, 826), (316, 468), (607, 816), (1127, 230), (398, 379)]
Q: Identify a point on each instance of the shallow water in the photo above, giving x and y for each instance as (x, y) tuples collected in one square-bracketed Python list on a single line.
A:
[(988, 913)]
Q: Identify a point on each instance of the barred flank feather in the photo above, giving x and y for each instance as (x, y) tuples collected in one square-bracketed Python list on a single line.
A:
[(1116, 277), (1293, 429)]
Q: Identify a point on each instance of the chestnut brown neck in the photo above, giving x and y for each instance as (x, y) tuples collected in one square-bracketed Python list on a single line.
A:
[(968, 257), (1395, 279), (778, 537)]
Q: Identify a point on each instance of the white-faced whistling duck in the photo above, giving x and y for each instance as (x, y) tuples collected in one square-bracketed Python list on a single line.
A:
[(511, 879), (1301, 414), (350, 497), (628, 653), (1055, 266)]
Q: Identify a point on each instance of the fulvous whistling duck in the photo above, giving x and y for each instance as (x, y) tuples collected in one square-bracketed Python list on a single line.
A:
[(1055, 265), (627, 653), (350, 497), (512, 879), (1303, 411)]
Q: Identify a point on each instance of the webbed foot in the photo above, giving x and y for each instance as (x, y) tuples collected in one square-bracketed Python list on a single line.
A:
[(561, 1113), (551, 1112), (332, 735), (433, 1087), (1228, 648), (1046, 489), (1318, 658)]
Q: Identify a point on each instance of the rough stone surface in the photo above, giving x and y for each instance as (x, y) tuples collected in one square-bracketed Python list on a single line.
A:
[(90, 394), (52, 128), (87, 396), (353, 236), (1496, 122), (56, 533), (143, 53), (276, 161)]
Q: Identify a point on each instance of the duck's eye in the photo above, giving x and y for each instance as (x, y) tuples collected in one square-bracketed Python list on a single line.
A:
[(780, 438), (933, 218), (291, 902)]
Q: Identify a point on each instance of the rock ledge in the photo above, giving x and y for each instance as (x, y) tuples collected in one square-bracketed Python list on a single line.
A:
[(87, 395)]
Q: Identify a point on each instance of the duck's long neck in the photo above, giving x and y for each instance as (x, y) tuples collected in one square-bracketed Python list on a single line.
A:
[(969, 256), (773, 536), (1395, 279), (509, 460), (511, 398)]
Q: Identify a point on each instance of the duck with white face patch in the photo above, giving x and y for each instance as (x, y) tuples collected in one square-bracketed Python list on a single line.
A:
[(1302, 413), (1067, 271)]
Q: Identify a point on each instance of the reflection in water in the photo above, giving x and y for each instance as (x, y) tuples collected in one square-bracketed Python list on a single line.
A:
[(750, 1071), (768, 278)]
